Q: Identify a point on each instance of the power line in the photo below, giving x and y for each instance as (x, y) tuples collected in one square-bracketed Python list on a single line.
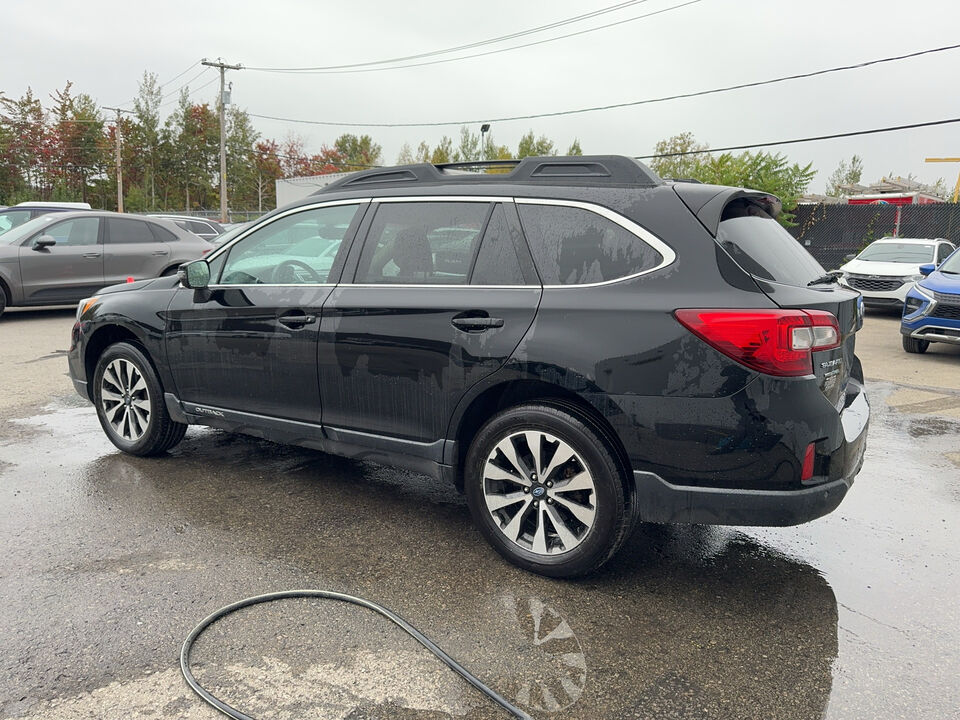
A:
[(164, 84), (457, 48), (793, 141), (633, 103), (190, 92), (483, 54)]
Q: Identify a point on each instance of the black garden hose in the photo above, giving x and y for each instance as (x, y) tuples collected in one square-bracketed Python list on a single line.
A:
[(232, 712)]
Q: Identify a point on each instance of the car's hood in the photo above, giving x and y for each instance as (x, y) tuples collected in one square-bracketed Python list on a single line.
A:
[(941, 283), (895, 269), (161, 282)]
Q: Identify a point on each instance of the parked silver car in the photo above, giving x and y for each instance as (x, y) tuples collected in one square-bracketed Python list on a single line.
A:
[(63, 257), (202, 227)]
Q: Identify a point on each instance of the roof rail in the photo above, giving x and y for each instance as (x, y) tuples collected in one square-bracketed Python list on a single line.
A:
[(550, 170)]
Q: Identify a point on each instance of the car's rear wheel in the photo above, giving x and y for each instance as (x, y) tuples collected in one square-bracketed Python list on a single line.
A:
[(912, 345), (129, 401), (546, 491), (3, 299)]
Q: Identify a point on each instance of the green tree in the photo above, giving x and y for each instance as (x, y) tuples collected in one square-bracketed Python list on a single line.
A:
[(469, 148), (765, 171), (358, 152), (241, 165), (443, 152), (574, 148), (845, 174), (145, 135), (530, 146), (406, 155), (679, 157)]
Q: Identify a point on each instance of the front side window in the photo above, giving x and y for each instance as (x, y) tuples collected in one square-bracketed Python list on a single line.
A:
[(422, 243), (122, 230), (575, 246), (70, 233), (296, 249)]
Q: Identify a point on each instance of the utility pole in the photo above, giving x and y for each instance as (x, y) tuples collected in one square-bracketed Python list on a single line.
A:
[(119, 161), (956, 188), (223, 133)]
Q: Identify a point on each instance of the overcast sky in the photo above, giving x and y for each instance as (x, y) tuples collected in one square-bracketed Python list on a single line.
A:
[(104, 47)]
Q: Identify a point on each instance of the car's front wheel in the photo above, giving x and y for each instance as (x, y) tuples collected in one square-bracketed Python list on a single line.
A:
[(129, 401), (547, 491), (912, 345)]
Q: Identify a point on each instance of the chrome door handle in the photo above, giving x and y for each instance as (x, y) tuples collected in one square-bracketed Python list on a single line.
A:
[(477, 323), (91, 255)]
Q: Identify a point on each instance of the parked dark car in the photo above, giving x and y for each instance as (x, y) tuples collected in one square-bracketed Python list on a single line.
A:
[(201, 227), (576, 344), (62, 257), (11, 217)]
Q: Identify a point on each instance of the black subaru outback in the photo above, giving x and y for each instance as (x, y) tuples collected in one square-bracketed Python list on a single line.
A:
[(576, 344)]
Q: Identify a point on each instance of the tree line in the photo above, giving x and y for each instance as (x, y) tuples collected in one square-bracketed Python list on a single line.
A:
[(64, 150)]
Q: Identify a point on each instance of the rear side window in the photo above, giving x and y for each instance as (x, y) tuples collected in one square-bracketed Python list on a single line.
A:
[(161, 233), (120, 230), (200, 228), (498, 262), (419, 243), (762, 247), (575, 246)]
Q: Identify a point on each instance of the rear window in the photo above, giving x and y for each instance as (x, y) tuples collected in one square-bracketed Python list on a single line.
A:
[(763, 248)]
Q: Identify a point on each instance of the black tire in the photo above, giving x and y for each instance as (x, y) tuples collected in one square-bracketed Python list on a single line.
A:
[(611, 520), (3, 299), (912, 345), (159, 432)]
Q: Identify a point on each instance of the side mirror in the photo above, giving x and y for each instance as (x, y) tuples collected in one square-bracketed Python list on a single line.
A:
[(927, 269), (194, 275), (44, 241), (849, 257)]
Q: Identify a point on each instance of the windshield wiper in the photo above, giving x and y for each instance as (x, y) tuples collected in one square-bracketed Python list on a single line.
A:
[(824, 279), (950, 272)]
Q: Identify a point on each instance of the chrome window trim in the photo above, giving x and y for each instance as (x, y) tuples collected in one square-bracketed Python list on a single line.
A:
[(665, 251), (256, 226)]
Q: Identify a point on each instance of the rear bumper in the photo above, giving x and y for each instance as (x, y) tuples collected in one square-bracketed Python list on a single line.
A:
[(665, 502)]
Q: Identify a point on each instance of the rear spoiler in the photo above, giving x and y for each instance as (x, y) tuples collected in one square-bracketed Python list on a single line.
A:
[(707, 202)]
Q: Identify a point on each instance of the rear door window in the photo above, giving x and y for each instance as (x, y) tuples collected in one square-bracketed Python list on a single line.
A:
[(498, 262), (762, 246), (418, 243), (121, 230), (576, 246)]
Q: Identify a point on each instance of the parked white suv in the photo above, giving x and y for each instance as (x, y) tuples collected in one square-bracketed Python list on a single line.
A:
[(886, 269)]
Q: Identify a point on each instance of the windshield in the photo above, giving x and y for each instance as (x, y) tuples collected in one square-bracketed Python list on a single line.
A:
[(952, 264), (912, 253), (763, 248), (14, 236)]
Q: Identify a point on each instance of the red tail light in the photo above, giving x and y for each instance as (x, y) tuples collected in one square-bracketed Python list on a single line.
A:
[(776, 342), (808, 457)]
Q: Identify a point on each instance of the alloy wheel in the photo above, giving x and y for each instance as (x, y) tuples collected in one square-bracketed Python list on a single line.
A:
[(125, 399), (540, 492)]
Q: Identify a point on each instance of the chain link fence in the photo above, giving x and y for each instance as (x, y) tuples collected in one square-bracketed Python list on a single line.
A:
[(831, 232)]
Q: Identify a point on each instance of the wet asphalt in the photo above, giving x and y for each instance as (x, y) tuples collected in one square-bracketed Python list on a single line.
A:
[(108, 561)]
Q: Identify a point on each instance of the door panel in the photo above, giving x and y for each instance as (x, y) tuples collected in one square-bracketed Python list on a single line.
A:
[(131, 250), (249, 342), (239, 349), (68, 271), (393, 361), (400, 348)]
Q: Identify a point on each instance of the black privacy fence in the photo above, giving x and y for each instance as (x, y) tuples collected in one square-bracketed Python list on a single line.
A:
[(831, 232)]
